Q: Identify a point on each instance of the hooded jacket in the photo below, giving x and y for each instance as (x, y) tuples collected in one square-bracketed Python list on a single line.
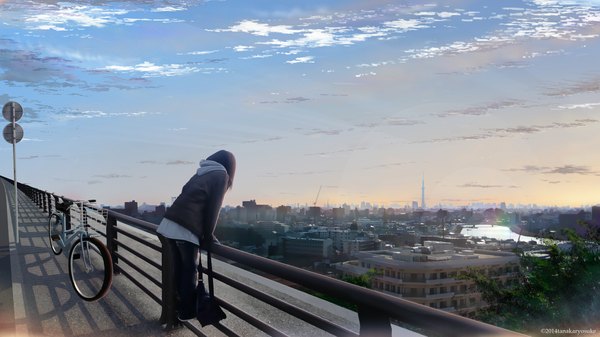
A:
[(197, 207)]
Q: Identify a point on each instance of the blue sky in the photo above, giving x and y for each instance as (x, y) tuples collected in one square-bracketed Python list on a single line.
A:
[(492, 101)]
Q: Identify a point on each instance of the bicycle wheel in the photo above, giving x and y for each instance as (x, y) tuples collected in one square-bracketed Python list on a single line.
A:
[(54, 231), (90, 268)]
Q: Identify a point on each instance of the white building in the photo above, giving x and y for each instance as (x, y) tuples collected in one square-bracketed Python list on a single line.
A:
[(430, 274)]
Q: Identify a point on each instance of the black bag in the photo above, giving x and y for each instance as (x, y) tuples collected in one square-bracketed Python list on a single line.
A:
[(208, 312)]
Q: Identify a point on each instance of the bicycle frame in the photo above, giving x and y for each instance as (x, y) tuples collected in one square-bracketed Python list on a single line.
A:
[(69, 236)]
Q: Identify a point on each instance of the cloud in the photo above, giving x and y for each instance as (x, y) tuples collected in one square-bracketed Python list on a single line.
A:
[(40, 157), (199, 52), (168, 9), (518, 130), (180, 162), (112, 176), (65, 16), (297, 99), (89, 114), (528, 168), (390, 121), (572, 169), (579, 87), (289, 100), (172, 162), (304, 59), (563, 170), (270, 139), (481, 109), (331, 132), (149, 69), (241, 48), (477, 185), (328, 153), (297, 173), (579, 106), (256, 28), (387, 165)]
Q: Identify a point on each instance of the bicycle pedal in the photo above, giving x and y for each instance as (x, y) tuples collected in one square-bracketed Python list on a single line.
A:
[(55, 237), (76, 256)]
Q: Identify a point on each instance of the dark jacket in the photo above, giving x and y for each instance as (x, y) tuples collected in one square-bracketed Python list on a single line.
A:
[(197, 207)]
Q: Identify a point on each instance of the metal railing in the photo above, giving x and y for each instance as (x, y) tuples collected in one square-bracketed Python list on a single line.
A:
[(376, 310)]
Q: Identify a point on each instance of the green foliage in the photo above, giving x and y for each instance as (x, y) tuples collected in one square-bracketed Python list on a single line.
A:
[(559, 291), (363, 280)]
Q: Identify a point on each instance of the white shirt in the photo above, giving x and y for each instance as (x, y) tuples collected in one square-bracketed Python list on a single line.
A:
[(172, 230)]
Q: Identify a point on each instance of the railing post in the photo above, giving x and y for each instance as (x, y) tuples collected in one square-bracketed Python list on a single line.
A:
[(44, 202), (373, 323), (111, 243), (168, 315)]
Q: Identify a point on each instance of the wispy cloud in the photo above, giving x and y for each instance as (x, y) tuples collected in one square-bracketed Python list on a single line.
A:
[(149, 69), (180, 162), (513, 131), (171, 162), (579, 106), (303, 59), (579, 87), (63, 16), (477, 185), (112, 176), (199, 52), (481, 109), (572, 169), (569, 169), (343, 151), (257, 28), (88, 114)]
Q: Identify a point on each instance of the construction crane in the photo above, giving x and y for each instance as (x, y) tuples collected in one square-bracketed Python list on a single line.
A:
[(317, 198)]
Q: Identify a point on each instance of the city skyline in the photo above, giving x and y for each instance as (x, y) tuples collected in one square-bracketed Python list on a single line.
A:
[(348, 100)]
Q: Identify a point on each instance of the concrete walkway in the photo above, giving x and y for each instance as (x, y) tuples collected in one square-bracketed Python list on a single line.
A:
[(36, 296)]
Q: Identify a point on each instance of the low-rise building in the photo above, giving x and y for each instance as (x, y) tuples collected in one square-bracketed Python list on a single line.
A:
[(430, 274)]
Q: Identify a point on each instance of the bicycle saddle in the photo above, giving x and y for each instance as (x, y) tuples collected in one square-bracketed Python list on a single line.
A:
[(63, 206)]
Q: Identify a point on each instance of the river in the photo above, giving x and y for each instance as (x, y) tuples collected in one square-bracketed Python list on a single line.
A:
[(497, 232)]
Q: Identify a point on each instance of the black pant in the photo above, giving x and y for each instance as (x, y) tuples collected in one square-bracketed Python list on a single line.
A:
[(186, 261)]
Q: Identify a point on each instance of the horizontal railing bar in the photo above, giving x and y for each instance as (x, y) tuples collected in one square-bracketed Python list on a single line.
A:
[(139, 255), (286, 307), (138, 269), (271, 331), (225, 330), (138, 223), (194, 329), (139, 285), (135, 238), (408, 312)]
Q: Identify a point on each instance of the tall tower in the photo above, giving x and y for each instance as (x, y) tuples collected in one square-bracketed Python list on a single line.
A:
[(423, 192)]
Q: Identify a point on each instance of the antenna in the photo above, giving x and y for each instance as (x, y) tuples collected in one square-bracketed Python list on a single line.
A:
[(317, 198), (423, 192)]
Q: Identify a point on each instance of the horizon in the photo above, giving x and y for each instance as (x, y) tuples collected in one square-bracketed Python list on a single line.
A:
[(349, 100)]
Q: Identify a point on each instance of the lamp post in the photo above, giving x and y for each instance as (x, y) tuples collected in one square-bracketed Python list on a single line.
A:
[(13, 133)]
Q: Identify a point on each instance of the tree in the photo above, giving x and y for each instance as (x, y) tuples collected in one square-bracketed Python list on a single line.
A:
[(558, 291)]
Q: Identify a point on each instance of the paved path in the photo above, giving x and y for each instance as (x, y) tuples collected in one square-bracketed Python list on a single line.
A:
[(42, 299)]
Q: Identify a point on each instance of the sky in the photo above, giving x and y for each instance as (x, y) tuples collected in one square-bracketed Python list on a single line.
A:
[(487, 101)]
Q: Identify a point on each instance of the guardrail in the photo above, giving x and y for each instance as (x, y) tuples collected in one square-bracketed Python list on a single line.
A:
[(375, 309)]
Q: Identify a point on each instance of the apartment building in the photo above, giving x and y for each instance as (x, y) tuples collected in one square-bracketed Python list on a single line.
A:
[(429, 274)]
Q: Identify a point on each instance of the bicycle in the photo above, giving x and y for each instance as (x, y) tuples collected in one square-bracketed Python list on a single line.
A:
[(90, 263)]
